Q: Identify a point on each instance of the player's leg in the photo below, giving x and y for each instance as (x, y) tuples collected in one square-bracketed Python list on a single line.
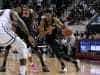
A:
[(3, 67), (39, 54), (68, 58), (21, 47), (58, 53), (5, 41), (44, 67)]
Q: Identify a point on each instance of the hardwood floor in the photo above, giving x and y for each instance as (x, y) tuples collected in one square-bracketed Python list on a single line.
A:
[(86, 68)]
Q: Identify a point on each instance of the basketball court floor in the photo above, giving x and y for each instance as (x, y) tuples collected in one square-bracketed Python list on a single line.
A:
[(86, 67)]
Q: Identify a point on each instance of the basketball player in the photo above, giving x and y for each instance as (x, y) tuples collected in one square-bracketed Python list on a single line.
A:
[(52, 24), (68, 43), (28, 16), (9, 39), (69, 39)]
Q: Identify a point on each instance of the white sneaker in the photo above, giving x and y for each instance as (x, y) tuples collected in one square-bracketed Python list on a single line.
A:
[(65, 69), (78, 62)]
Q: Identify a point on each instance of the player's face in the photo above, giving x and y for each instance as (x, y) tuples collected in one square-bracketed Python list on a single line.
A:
[(26, 12)]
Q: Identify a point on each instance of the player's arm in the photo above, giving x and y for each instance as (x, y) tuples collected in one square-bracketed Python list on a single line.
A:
[(59, 24), (20, 22), (22, 26)]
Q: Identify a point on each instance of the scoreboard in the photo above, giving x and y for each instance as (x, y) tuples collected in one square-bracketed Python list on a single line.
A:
[(87, 45), (88, 49)]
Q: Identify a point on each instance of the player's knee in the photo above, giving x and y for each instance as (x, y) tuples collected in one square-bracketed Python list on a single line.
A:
[(25, 53)]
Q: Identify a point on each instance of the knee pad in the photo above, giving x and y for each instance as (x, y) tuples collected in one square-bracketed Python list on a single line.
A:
[(8, 47), (22, 61)]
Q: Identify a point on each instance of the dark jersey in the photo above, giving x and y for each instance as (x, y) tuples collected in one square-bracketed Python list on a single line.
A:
[(28, 22), (51, 37)]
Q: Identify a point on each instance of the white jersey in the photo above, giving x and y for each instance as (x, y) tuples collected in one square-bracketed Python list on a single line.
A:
[(69, 40), (6, 33), (5, 21), (8, 37)]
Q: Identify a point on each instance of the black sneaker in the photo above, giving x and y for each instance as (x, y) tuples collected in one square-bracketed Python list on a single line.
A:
[(2, 69), (62, 68), (77, 67), (45, 69)]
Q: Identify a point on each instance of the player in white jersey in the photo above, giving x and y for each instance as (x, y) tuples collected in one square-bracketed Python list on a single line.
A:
[(9, 39)]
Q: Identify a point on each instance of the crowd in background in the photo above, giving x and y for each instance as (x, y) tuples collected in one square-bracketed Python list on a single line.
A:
[(80, 8), (69, 12)]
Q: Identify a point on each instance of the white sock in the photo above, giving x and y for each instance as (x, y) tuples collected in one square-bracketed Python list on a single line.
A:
[(22, 70)]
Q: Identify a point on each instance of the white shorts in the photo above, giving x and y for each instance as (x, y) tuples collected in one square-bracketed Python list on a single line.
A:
[(21, 47), (9, 38)]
